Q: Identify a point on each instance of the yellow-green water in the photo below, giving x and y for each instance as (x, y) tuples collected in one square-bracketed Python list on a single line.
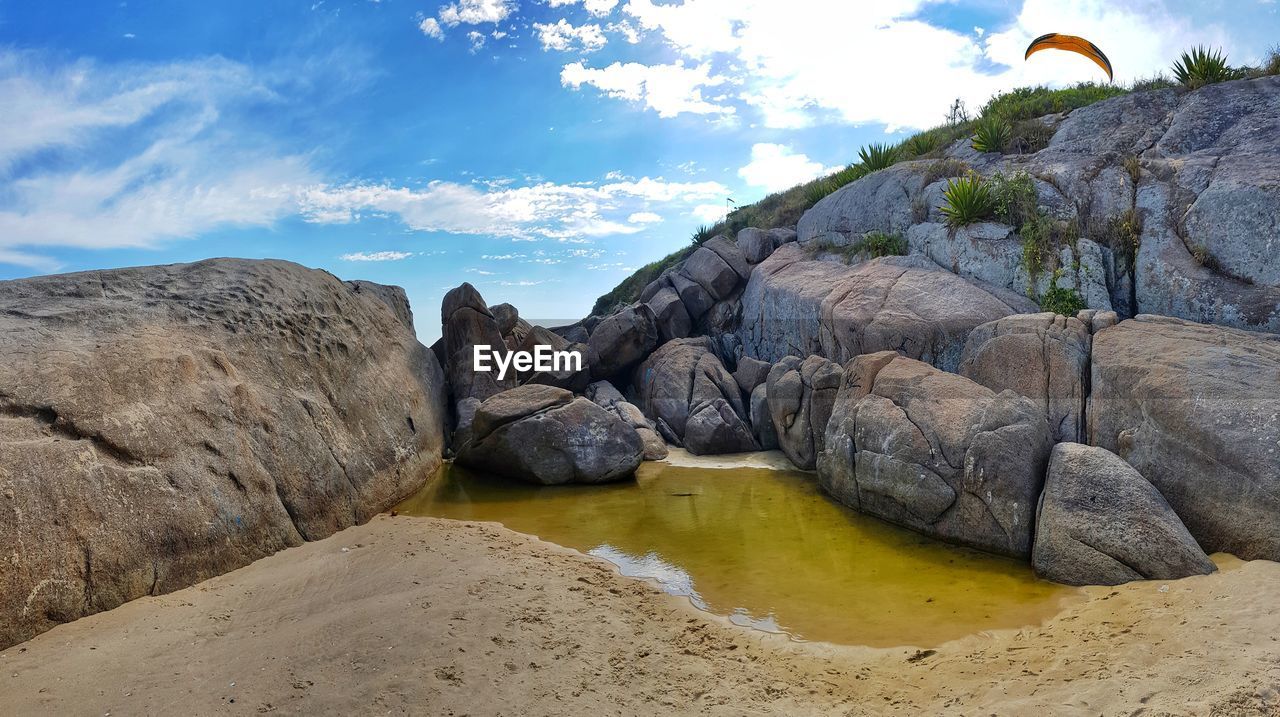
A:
[(765, 548)]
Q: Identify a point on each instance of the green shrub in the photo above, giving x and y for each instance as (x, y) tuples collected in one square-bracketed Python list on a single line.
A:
[(968, 199), (1123, 234), (1201, 66), (1031, 102), (1271, 63), (1060, 300), (991, 134), (879, 244), (1016, 202), (1029, 136), (1156, 82), (702, 234), (944, 168), (1042, 239), (875, 157), (918, 145)]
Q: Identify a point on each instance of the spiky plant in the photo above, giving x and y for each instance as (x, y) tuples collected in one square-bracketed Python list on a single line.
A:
[(1201, 66), (920, 144), (702, 234), (968, 199), (991, 134), (875, 157)]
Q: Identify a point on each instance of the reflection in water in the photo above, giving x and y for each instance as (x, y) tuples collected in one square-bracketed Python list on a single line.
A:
[(765, 548)]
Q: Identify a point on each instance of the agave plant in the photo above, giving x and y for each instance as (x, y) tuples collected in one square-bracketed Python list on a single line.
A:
[(702, 234), (968, 200), (1201, 66), (920, 144), (875, 157), (991, 134)]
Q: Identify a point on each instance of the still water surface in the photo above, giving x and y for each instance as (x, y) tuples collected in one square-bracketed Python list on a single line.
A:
[(767, 549)]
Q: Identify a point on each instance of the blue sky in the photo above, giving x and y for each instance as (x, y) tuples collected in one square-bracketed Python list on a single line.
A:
[(540, 149)]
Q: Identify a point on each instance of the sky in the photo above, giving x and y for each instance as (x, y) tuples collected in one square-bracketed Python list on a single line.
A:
[(539, 149)]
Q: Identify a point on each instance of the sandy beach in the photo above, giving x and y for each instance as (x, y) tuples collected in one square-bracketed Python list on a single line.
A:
[(426, 616)]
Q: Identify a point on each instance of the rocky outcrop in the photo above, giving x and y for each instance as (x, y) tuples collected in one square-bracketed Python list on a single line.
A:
[(542, 434), (671, 316), (621, 341), (750, 373), (393, 296), (467, 323), (604, 395), (936, 452), (1044, 357), (692, 399), (801, 395), (1101, 523), (162, 425), (1190, 180), (1196, 410), (796, 306)]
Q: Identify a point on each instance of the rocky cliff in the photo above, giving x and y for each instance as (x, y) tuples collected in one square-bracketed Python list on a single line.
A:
[(161, 425)]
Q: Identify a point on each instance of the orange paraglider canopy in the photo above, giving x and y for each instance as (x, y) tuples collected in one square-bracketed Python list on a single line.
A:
[(1070, 43)]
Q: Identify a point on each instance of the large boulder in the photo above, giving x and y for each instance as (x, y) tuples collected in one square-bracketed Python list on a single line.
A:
[(393, 296), (542, 434), (162, 425), (467, 323), (621, 341), (879, 202), (731, 254), (801, 394), (670, 313), (756, 244), (761, 421), (936, 452), (1044, 357), (692, 399), (1101, 523), (604, 395), (751, 373), (710, 271), (795, 305), (1196, 410)]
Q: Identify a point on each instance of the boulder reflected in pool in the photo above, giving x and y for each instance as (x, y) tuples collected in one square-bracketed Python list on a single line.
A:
[(766, 549)]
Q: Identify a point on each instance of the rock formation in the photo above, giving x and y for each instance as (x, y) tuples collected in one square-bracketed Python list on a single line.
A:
[(162, 425), (542, 434), (604, 395), (467, 322), (1044, 357), (936, 452), (1196, 410), (1101, 523), (801, 395), (794, 305), (692, 399)]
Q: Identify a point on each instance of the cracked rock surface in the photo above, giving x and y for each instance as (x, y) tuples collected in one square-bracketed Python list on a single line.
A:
[(161, 425), (936, 452)]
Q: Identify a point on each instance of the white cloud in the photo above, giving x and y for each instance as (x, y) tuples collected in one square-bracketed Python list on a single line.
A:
[(669, 90), (775, 167), (563, 212), (474, 12), (596, 8), (431, 28), (562, 36), (644, 218), (376, 256), (807, 61), (709, 213), (140, 154)]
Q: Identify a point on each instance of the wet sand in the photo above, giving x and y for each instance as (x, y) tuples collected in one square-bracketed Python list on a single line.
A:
[(427, 616)]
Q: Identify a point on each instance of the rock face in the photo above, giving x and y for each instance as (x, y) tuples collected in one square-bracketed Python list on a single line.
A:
[(621, 341), (542, 434), (162, 425), (1196, 410), (467, 323), (1101, 523), (1189, 179), (1044, 357), (801, 395), (671, 316), (761, 421), (936, 452), (604, 395), (692, 399), (796, 306)]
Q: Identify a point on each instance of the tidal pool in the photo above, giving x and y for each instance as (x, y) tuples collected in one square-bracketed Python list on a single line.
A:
[(767, 549)]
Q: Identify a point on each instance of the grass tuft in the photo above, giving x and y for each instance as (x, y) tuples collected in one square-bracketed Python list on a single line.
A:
[(968, 199), (991, 134), (1202, 66)]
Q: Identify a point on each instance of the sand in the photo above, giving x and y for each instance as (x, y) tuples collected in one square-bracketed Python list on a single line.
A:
[(427, 616)]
